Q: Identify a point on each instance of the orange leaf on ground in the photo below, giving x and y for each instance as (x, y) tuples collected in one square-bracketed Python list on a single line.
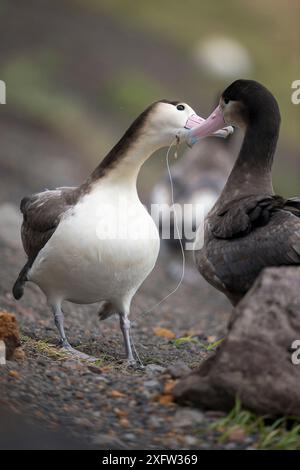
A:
[(121, 413), (164, 333), (165, 399), (169, 385), (124, 422), (117, 394), (14, 373)]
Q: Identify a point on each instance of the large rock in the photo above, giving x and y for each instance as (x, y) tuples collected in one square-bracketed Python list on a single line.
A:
[(9, 334), (254, 363)]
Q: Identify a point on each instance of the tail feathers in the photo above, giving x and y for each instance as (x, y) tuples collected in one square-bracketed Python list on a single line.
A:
[(18, 288), (106, 310)]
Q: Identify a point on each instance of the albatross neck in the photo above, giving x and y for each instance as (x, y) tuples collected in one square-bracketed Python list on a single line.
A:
[(252, 172), (123, 163)]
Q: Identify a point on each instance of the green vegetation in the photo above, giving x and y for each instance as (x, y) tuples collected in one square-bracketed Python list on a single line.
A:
[(214, 345), (194, 340), (276, 435), (183, 340), (45, 348)]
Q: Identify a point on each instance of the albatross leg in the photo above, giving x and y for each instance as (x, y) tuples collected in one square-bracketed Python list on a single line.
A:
[(125, 328), (59, 323)]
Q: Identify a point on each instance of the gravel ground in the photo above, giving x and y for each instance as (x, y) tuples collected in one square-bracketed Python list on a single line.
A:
[(107, 403)]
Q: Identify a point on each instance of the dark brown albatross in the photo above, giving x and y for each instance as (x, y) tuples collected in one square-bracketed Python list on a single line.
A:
[(249, 228)]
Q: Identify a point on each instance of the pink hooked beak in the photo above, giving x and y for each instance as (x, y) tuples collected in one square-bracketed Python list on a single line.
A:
[(213, 125)]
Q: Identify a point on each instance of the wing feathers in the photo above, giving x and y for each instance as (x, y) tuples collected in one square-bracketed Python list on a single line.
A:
[(42, 213)]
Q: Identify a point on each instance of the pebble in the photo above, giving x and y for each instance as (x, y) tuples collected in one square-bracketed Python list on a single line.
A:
[(129, 436), (179, 369), (152, 384), (72, 364), (101, 378), (191, 440), (152, 369), (155, 421), (186, 417), (83, 422), (108, 442)]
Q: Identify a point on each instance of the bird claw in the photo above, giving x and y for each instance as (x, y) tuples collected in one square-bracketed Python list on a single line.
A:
[(134, 364), (74, 352)]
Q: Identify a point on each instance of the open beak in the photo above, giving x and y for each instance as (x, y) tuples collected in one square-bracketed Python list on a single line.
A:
[(212, 126)]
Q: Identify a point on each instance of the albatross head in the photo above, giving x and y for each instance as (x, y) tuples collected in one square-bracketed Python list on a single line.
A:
[(243, 103), (168, 121)]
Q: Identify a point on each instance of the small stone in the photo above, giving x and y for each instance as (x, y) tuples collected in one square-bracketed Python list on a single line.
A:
[(124, 422), (190, 440), (186, 417), (129, 436), (72, 364), (2, 353), (100, 378), (155, 421), (152, 369), (84, 422), (152, 384), (95, 370), (237, 434), (108, 442), (230, 446), (19, 354), (179, 369)]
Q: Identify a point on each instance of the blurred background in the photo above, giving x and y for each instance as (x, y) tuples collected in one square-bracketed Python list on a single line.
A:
[(79, 71)]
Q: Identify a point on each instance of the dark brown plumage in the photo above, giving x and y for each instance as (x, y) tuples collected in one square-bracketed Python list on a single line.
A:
[(250, 228), (42, 213)]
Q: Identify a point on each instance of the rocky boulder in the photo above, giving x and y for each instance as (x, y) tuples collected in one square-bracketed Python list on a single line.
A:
[(9, 336), (257, 361)]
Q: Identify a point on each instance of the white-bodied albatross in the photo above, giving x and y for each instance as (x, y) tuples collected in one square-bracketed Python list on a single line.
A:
[(97, 242)]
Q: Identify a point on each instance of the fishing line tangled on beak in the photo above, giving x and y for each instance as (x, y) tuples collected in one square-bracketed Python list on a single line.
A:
[(177, 142), (176, 225)]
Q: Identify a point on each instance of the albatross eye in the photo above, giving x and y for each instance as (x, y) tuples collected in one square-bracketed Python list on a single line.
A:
[(226, 100), (180, 107)]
